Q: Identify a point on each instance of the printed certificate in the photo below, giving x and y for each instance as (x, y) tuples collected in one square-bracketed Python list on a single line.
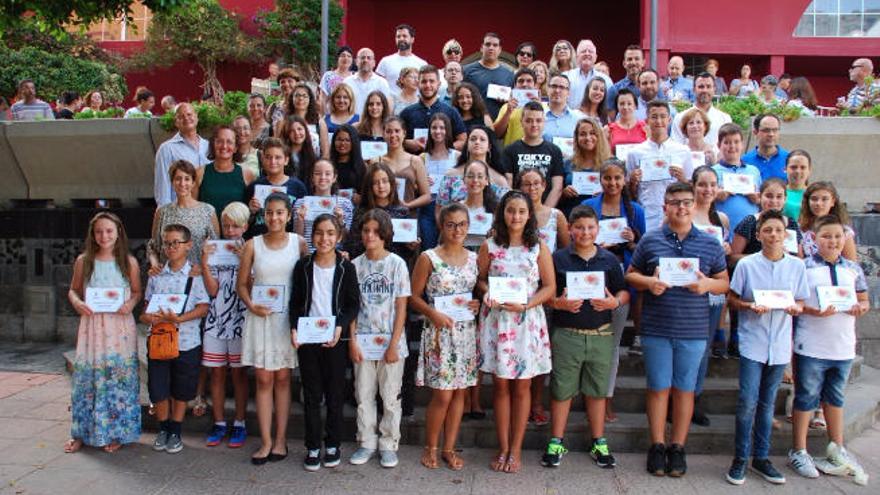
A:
[(713, 230), (315, 330), (566, 146), (271, 296), (676, 272), (373, 149), (585, 285), (105, 299), (262, 191), (498, 92), (224, 254), (791, 244), (455, 306), (738, 183), (405, 229), (480, 223), (774, 299), (655, 168), (586, 183), (842, 298), (421, 135), (318, 205), (611, 231), (508, 290), (171, 302)]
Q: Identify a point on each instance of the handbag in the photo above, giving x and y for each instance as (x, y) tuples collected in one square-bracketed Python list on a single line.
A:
[(163, 341)]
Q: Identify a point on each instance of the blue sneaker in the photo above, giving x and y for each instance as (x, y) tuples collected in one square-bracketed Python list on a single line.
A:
[(217, 434), (237, 438), (736, 475)]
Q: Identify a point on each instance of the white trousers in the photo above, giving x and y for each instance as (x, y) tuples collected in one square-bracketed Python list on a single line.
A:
[(370, 377)]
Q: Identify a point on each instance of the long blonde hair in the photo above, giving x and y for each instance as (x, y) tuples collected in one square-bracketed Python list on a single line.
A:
[(600, 154), (120, 250)]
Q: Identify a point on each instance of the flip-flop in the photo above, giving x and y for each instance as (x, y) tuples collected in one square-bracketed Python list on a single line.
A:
[(72, 445), (498, 463), (452, 459), (512, 466), (429, 458), (112, 447)]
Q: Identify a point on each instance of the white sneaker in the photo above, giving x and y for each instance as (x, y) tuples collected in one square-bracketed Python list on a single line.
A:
[(361, 456), (838, 455), (388, 458), (802, 463)]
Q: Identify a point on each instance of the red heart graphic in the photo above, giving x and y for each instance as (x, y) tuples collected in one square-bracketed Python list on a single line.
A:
[(459, 301), (592, 178), (379, 340), (322, 323), (685, 265), (112, 294), (326, 203), (591, 279), (272, 292)]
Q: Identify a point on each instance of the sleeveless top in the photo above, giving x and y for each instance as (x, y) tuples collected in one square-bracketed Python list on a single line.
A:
[(275, 266), (106, 274), (332, 127), (408, 174), (547, 233), (218, 189)]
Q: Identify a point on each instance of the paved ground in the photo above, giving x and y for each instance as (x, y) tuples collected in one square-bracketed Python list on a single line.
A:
[(34, 423)]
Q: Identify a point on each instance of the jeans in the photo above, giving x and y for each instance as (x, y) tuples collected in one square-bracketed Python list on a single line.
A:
[(323, 376), (819, 380), (714, 321), (672, 362), (758, 383)]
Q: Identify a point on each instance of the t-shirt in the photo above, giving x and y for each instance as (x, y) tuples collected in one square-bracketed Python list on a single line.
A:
[(547, 157), (362, 88), (322, 294), (773, 166), (171, 282), (418, 116), (829, 337), (793, 198), (390, 66), (381, 282), (481, 76)]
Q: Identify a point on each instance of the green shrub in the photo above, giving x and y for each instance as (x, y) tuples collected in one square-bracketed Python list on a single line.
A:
[(210, 115), (109, 113)]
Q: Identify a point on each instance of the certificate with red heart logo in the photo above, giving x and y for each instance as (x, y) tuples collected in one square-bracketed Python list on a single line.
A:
[(566, 146), (271, 296), (318, 205), (655, 168), (262, 191), (586, 183), (105, 299), (224, 253), (611, 231), (774, 299), (315, 330), (455, 306), (676, 272), (842, 298), (480, 223), (168, 302), (508, 290), (405, 229), (585, 285), (738, 183)]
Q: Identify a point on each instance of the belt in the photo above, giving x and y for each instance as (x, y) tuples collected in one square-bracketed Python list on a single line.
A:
[(603, 331)]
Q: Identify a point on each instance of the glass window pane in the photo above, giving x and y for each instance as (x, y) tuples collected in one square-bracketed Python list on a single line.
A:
[(850, 25), (872, 6), (805, 27), (872, 26), (826, 25), (850, 6), (825, 6)]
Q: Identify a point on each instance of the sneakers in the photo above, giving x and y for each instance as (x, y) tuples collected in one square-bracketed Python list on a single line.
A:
[(236, 440), (657, 459), (699, 417), (676, 461), (159, 444), (312, 461), (332, 457), (553, 456), (601, 454), (802, 463), (736, 475), (765, 468), (839, 456), (636, 348), (174, 445), (387, 458), (361, 456), (217, 434)]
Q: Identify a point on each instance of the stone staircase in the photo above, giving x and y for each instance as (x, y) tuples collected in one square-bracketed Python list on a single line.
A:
[(628, 434)]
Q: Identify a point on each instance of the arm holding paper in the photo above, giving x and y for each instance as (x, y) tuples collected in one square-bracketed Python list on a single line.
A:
[(243, 284)]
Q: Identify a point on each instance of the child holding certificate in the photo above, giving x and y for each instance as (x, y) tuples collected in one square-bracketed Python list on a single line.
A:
[(275, 157), (589, 287), (820, 199), (739, 180), (768, 288), (265, 338), (824, 347), (324, 303), (221, 346), (324, 199), (105, 411), (379, 192), (480, 203), (745, 235), (447, 274), (516, 278), (181, 302), (378, 345)]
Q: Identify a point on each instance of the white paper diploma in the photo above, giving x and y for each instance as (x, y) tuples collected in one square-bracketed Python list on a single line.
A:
[(455, 306), (508, 290), (271, 296), (713, 230), (676, 272), (498, 92), (586, 183), (405, 229), (401, 188), (315, 330), (774, 299), (791, 244), (611, 231), (262, 191), (373, 149), (373, 346), (585, 285), (172, 302), (739, 183), (480, 223), (346, 193), (622, 151), (523, 96), (420, 134), (317, 205), (842, 298), (655, 168), (566, 146), (224, 253), (105, 299), (698, 158)]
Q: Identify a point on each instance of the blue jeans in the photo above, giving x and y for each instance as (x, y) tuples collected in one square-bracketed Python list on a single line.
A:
[(819, 380), (758, 383), (714, 321)]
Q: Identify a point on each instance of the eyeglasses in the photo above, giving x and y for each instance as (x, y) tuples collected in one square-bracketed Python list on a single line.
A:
[(769, 130), (856, 66), (456, 226), (526, 54), (561, 48), (558, 86), (172, 244), (680, 203)]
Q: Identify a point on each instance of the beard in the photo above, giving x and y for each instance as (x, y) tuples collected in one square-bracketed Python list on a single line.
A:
[(403, 46)]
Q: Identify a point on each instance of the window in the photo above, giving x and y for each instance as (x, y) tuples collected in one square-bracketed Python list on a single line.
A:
[(121, 29), (840, 19)]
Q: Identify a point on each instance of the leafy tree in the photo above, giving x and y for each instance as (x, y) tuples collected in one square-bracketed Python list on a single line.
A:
[(293, 31), (201, 31), (52, 15)]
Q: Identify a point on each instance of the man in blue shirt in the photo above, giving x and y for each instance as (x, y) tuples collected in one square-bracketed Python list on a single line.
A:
[(675, 321), (633, 62), (768, 156), (560, 119), (488, 70), (677, 87), (418, 115)]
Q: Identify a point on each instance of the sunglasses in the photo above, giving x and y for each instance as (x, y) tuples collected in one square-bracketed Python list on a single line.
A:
[(453, 51), (526, 54)]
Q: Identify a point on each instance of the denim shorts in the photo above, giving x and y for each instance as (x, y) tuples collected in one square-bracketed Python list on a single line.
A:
[(819, 380), (671, 362)]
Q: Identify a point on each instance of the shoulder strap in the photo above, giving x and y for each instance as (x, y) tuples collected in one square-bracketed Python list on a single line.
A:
[(189, 283)]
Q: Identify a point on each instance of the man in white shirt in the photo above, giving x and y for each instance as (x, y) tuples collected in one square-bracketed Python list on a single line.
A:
[(580, 76), (704, 91), (365, 81), (185, 145), (391, 65)]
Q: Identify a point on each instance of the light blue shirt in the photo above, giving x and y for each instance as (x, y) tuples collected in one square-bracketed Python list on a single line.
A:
[(677, 89), (737, 206), (176, 148), (171, 282), (560, 125), (578, 80), (766, 338), (642, 111)]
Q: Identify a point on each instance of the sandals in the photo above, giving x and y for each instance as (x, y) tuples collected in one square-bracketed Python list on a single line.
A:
[(818, 423), (539, 418), (512, 465), (452, 459), (200, 407), (429, 458), (499, 463), (112, 447), (72, 445)]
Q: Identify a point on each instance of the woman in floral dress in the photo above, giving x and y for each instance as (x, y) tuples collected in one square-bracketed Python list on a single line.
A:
[(448, 356), (513, 341), (104, 400)]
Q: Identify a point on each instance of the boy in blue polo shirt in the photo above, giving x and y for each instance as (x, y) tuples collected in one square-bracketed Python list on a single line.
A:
[(675, 321), (583, 340), (765, 320), (824, 347)]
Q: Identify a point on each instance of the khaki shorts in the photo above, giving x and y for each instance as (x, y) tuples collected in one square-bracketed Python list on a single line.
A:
[(580, 363)]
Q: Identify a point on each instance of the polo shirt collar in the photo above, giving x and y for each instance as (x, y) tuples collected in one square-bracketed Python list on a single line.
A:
[(669, 234), (766, 158), (571, 252), (565, 111), (821, 261), (185, 269), (731, 166)]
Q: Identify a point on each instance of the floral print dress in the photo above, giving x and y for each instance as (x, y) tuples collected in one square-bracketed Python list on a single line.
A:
[(105, 407), (514, 345), (448, 358)]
